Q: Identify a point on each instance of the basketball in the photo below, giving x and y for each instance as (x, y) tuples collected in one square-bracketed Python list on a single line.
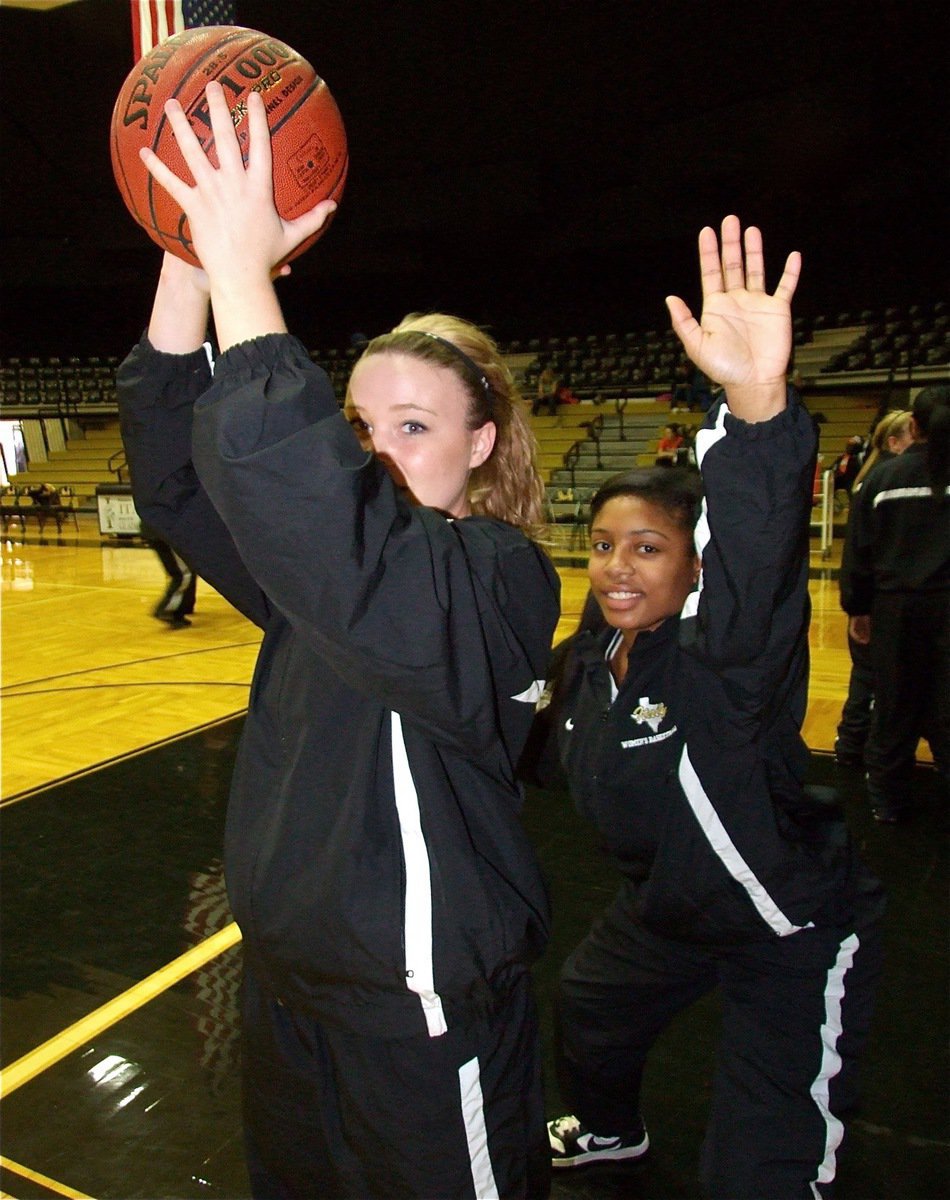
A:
[(308, 138)]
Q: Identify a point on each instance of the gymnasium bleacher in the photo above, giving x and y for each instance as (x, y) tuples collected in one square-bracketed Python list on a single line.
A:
[(845, 363)]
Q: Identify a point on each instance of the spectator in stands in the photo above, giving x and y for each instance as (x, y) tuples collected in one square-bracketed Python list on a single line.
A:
[(668, 446), (682, 398), (847, 465), (890, 437), (548, 383), (686, 454), (895, 586), (44, 495)]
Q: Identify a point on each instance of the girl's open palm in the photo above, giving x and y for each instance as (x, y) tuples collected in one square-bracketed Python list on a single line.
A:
[(744, 335)]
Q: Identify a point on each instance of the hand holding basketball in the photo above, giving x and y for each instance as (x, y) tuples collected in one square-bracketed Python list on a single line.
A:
[(308, 141), (235, 226)]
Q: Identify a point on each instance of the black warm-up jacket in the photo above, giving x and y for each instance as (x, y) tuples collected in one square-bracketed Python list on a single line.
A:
[(375, 860), (898, 534)]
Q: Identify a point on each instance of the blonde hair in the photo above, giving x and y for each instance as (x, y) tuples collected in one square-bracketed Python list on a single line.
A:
[(892, 424), (508, 484)]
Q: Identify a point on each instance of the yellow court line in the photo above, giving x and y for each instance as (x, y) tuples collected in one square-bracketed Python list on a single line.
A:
[(60, 1189), (77, 1035)]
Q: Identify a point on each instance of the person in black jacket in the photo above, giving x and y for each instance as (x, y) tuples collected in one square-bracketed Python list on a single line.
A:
[(891, 436), (678, 726), (895, 580), (389, 900)]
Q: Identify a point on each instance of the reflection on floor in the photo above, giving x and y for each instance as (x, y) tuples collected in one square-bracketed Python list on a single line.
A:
[(109, 878)]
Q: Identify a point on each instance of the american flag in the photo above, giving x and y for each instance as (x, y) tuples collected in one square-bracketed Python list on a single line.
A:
[(155, 20)]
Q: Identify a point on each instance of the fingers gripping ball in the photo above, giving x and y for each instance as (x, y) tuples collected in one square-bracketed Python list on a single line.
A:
[(308, 139)]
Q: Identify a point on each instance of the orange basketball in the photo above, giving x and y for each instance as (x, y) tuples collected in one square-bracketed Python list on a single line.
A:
[(307, 135)]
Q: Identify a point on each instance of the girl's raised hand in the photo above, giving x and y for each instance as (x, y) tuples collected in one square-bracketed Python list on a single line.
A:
[(235, 227), (236, 230), (743, 338)]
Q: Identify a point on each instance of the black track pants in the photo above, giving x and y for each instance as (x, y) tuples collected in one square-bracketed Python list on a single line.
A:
[(796, 1012), (910, 645), (179, 597), (329, 1114), (856, 712)]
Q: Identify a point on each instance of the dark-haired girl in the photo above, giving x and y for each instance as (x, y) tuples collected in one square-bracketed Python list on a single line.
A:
[(678, 726)]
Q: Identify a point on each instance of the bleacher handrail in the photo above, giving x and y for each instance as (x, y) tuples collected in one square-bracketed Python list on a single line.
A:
[(118, 464)]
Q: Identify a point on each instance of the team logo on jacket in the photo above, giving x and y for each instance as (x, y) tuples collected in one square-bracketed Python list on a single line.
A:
[(649, 712), (652, 713)]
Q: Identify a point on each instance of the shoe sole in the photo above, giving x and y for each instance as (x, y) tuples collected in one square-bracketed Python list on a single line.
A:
[(591, 1159)]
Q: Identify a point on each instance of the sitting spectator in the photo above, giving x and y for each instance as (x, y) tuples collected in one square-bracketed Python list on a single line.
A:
[(668, 446), (847, 465), (548, 384), (43, 494)]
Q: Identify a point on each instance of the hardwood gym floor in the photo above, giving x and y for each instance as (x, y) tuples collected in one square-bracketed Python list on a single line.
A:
[(120, 962)]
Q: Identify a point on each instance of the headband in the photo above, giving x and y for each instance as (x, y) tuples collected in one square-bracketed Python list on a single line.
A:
[(474, 369)]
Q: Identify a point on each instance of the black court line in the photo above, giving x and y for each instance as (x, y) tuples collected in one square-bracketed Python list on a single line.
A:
[(126, 756), (129, 662), (96, 687)]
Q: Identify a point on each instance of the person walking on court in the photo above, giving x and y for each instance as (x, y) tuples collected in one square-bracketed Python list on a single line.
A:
[(678, 724), (389, 899), (178, 600)]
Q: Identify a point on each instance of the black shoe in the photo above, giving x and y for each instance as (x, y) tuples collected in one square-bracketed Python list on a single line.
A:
[(574, 1146), (174, 620)]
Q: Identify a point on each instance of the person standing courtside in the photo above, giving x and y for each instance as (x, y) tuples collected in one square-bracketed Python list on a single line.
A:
[(895, 586), (891, 436)]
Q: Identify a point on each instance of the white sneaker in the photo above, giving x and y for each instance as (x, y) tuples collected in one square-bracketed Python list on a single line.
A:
[(574, 1146)]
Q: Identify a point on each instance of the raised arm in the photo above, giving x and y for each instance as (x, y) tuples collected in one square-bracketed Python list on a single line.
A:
[(179, 319), (757, 461), (743, 338)]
